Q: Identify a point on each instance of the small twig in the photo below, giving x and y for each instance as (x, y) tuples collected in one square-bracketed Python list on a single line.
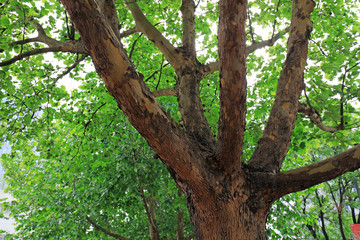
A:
[(161, 68), (69, 69), (142, 194), (105, 230), (133, 45), (92, 116)]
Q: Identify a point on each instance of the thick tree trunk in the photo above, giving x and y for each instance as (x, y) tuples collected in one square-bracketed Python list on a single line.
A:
[(227, 219)]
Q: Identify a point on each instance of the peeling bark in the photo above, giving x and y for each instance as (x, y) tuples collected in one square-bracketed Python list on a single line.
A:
[(275, 140), (132, 95), (232, 54), (310, 175)]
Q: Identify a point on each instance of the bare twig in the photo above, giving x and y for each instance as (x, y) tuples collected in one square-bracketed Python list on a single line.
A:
[(142, 194), (69, 69), (106, 231)]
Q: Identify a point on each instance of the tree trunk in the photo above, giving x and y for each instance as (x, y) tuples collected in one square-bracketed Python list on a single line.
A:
[(227, 219)]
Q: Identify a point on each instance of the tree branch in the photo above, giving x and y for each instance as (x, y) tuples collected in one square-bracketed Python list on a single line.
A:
[(73, 46), (128, 32), (144, 26), (68, 46), (135, 99), (190, 105), (215, 66), (188, 20), (232, 55), (275, 140), (316, 119), (69, 69), (165, 92), (257, 45), (106, 231), (308, 176)]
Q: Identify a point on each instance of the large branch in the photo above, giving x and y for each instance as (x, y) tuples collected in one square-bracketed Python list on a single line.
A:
[(232, 55), (215, 66), (274, 143), (134, 98), (190, 105), (144, 26), (188, 24), (108, 10), (305, 177)]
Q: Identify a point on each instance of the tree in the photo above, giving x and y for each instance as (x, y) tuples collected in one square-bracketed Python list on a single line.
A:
[(230, 176)]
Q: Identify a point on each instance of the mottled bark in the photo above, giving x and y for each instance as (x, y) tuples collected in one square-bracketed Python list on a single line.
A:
[(131, 94), (304, 177), (189, 75), (275, 140), (232, 54)]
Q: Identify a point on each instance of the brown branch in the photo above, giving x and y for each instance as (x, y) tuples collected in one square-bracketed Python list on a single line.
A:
[(106, 231), (128, 32), (68, 46), (28, 54), (135, 99), (232, 55), (133, 46), (308, 176), (42, 37), (28, 40), (275, 140), (215, 66), (190, 105), (73, 46), (143, 25), (257, 45), (316, 119), (188, 30), (165, 92)]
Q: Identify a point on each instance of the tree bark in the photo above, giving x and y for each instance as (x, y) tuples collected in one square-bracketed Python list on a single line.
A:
[(275, 140)]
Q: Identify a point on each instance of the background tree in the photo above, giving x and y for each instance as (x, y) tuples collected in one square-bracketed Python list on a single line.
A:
[(324, 211), (230, 171)]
